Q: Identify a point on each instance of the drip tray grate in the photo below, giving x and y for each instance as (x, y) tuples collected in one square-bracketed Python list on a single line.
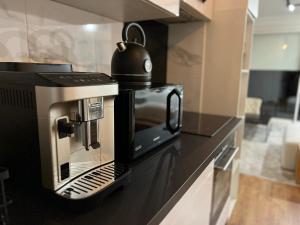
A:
[(93, 181)]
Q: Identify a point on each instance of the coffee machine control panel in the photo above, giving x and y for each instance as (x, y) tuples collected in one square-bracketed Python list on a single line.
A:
[(76, 79)]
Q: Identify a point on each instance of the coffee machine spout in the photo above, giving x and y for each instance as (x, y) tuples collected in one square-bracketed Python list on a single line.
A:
[(91, 134), (88, 113)]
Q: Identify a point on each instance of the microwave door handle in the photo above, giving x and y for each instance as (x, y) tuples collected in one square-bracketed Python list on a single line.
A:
[(179, 109), (225, 167), (168, 122)]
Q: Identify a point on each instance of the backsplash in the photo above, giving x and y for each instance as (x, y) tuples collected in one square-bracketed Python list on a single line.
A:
[(49, 32)]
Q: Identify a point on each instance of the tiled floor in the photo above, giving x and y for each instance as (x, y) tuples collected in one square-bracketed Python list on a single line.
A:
[(263, 202)]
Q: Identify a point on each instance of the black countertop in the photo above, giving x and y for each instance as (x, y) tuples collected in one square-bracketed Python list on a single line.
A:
[(158, 180)]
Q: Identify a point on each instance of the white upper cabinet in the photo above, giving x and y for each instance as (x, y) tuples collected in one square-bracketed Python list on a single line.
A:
[(253, 7), (200, 9), (128, 10), (171, 6)]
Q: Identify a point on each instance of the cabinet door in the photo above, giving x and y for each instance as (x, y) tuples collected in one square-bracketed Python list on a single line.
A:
[(194, 206), (201, 9), (171, 6), (128, 10)]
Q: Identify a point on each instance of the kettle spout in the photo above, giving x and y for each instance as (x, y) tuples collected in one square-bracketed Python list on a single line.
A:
[(121, 46)]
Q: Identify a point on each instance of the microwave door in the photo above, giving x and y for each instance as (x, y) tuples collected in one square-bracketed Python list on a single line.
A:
[(173, 111)]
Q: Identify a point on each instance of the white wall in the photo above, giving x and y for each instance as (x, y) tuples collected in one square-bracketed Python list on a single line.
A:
[(276, 52), (46, 31)]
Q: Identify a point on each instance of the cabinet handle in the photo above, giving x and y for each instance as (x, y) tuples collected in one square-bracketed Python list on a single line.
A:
[(232, 155)]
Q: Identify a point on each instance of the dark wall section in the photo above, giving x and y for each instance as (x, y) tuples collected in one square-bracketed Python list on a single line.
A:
[(156, 45), (277, 89), (273, 86)]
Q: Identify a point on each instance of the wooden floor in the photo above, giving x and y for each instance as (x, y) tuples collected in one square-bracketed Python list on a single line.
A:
[(263, 202)]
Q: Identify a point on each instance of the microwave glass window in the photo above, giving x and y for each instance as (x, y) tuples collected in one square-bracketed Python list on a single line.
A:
[(150, 108)]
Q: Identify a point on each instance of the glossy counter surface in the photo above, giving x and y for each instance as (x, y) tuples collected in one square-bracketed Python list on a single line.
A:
[(158, 180)]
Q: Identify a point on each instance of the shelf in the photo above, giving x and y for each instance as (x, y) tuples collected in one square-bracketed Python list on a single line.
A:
[(248, 39), (245, 71)]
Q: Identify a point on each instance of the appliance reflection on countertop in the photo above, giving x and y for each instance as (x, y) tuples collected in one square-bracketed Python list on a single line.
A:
[(147, 181), (160, 179), (4, 200)]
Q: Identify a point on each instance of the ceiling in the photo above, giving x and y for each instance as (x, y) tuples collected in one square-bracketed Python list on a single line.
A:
[(276, 8)]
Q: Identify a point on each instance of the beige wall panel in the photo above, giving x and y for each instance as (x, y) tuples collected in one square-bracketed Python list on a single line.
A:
[(185, 61), (225, 37), (230, 4)]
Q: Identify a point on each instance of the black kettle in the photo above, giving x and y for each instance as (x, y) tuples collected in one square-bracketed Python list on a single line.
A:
[(131, 63)]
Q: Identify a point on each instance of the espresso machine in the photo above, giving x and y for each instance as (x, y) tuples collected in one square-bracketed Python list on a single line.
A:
[(72, 127)]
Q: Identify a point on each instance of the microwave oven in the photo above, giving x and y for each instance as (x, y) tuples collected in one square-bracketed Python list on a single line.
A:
[(146, 118)]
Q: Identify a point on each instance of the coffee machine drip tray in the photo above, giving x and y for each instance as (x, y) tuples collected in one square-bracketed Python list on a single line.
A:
[(110, 175)]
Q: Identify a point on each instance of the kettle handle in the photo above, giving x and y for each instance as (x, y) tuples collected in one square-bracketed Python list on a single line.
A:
[(140, 29)]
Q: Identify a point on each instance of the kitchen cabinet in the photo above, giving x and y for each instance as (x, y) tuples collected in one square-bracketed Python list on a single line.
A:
[(128, 10), (224, 54), (195, 205), (226, 76), (212, 59), (200, 9)]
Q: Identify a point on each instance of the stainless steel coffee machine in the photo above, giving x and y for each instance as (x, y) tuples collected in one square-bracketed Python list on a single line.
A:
[(74, 113)]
